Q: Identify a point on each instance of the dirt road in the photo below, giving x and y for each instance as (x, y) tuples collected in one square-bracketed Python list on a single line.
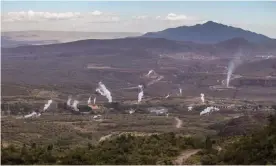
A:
[(185, 155), (178, 122)]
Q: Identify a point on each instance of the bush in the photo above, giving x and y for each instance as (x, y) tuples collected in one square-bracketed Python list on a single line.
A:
[(209, 159), (257, 148), (125, 149)]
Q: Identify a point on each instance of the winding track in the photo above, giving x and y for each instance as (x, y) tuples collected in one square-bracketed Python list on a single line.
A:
[(178, 122), (184, 156)]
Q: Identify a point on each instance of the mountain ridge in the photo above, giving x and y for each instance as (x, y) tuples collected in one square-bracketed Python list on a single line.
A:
[(209, 32)]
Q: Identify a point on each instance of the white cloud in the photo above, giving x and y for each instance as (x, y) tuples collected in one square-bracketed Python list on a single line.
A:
[(99, 21), (96, 13), (158, 17), (96, 21), (45, 16), (170, 17), (175, 17), (38, 16), (140, 17)]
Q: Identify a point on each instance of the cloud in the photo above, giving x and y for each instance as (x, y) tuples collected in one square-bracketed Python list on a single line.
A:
[(38, 16), (96, 21), (103, 18), (46, 16), (140, 17), (175, 17), (168, 17), (158, 17), (96, 13)]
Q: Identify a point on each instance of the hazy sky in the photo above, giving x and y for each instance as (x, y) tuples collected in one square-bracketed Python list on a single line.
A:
[(135, 16)]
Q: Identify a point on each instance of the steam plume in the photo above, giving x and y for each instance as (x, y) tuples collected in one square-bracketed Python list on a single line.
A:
[(100, 91), (202, 97), (180, 91), (104, 92), (156, 80), (208, 110), (94, 100), (46, 106), (75, 105), (149, 72), (232, 66), (89, 100), (96, 116), (141, 93), (69, 101), (190, 108), (131, 111), (155, 76), (38, 114), (30, 115)]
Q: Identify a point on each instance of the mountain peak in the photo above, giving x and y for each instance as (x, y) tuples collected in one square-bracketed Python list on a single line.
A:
[(211, 22), (209, 32)]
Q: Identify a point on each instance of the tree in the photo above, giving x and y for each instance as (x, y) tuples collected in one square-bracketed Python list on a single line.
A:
[(208, 143), (33, 146), (209, 159), (50, 147), (90, 146)]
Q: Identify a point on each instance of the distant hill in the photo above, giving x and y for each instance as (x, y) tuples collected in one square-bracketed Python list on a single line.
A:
[(7, 42), (133, 45), (209, 32), (79, 65), (19, 38)]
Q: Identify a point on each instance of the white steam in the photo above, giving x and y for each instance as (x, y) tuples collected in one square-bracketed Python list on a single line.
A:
[(208, 110), (231, 68), (233, 64), (97, 116), (89, 100), (75, 105), (33, 114), (131, 111), (156, 80), (46, 106), (180, 91), (140, 94), (94, 100), (38, 114), (153, 75), (150, 72), (69, 101), (104, 92), (202, 97)]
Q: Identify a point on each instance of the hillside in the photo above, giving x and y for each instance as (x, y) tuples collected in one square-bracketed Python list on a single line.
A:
[(77, 67), (141, 47), (256, 149), (209, 32), (19, 38)]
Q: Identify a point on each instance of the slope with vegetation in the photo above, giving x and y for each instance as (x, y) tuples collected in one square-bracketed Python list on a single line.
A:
[(258, 147), (125, 149)]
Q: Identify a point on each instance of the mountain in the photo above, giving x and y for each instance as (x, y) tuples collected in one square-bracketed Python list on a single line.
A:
[(77, 66), (209, 32), (19, 38), (102, 46), (7, 42), (135, 45)]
